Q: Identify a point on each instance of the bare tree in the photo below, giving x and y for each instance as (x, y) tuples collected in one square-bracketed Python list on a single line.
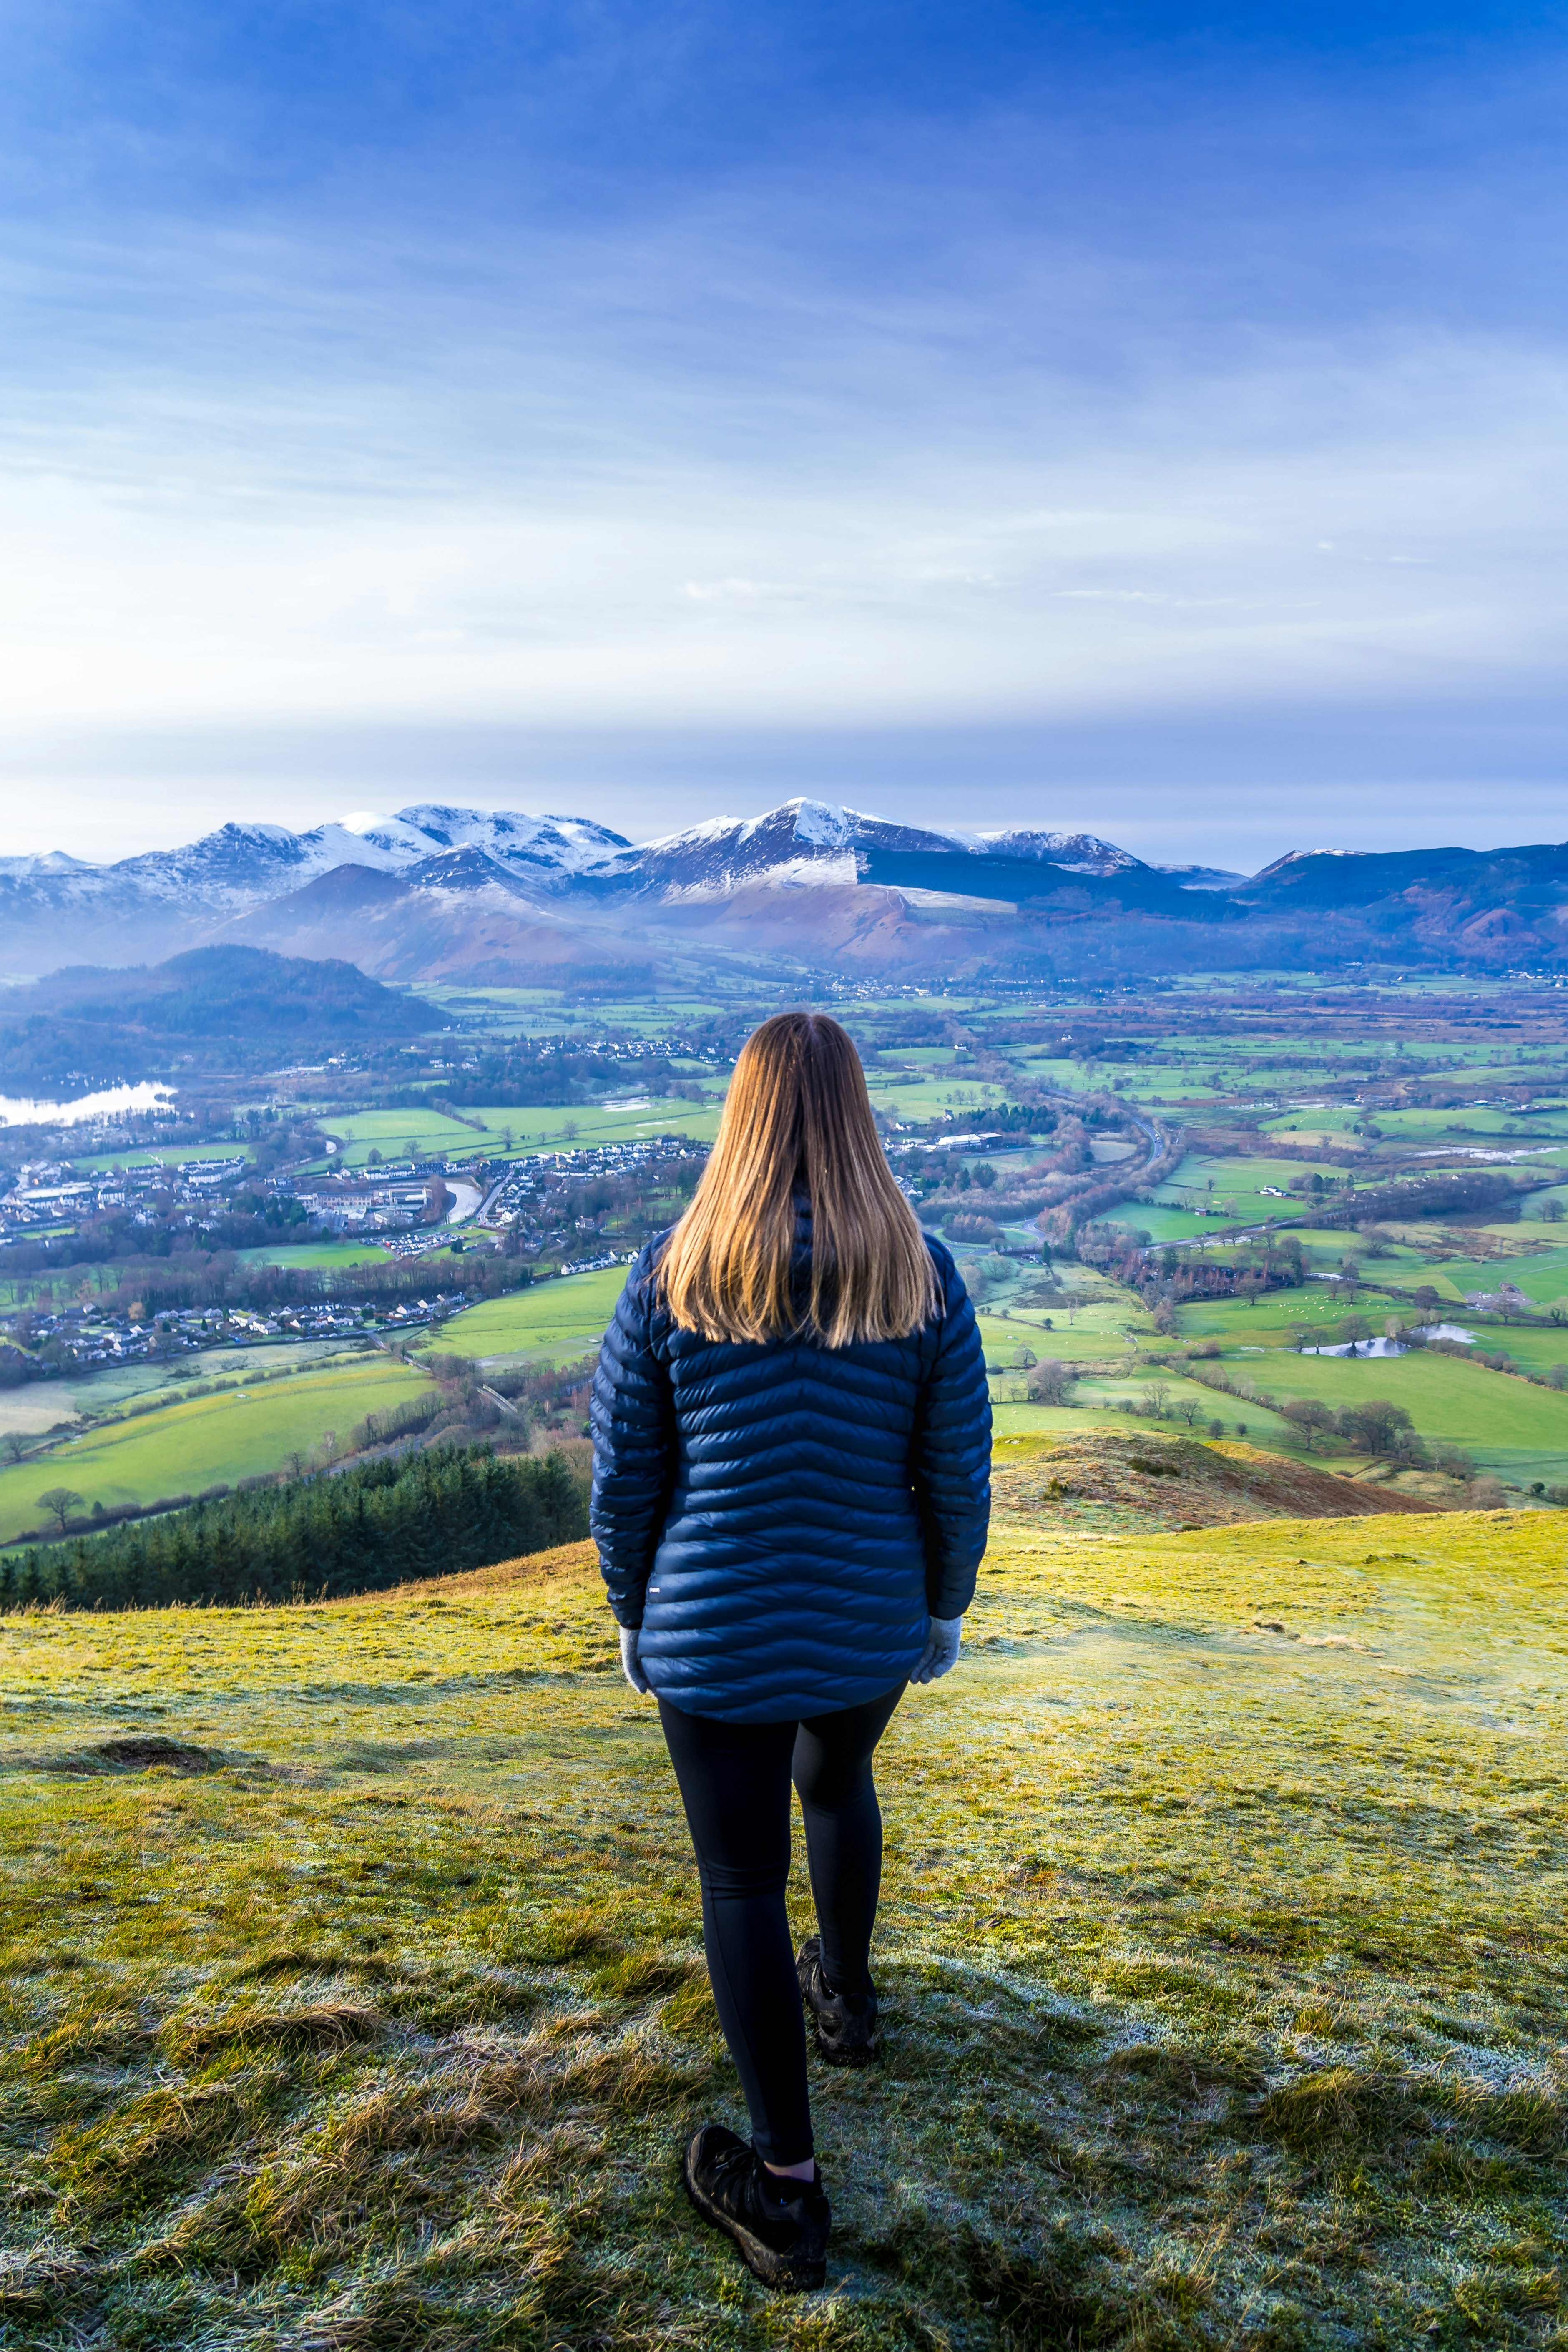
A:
[(1050, 1382), (60, 1502)]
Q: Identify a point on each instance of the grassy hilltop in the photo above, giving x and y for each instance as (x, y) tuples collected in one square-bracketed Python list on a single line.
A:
[(353, 1999)]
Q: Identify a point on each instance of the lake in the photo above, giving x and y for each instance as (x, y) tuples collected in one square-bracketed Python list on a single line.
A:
[(22, 1111)]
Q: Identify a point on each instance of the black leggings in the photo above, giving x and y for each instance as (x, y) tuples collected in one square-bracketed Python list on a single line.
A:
[(734, 1783)]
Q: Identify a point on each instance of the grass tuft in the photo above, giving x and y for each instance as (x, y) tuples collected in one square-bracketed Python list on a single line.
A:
[(147, 2147), (327, 2024)]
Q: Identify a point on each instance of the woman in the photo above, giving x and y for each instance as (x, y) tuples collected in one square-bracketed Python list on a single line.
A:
[(792, 1444)]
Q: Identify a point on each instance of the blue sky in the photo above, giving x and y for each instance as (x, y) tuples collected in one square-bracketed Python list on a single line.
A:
[(1143, 418)]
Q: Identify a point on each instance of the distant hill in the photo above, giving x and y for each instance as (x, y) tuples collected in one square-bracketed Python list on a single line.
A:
[(440, 893), (457, 917), (1470, 905), (238, 1007)]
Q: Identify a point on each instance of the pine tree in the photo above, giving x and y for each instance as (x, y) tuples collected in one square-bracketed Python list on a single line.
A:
[(387, 1523)]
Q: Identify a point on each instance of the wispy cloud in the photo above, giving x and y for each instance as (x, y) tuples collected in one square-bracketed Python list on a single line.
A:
[(689, 372)]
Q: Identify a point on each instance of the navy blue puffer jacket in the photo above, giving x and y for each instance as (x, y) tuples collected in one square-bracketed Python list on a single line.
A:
[(782, 1520)]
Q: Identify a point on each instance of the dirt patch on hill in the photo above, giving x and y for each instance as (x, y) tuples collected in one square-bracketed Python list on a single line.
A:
[(1177, 1482)]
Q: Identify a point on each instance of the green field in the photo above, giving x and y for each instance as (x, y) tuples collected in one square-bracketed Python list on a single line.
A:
[(42, 1404), (500, 1132), (1532, 1228), (1538, 1351), (391, 1131), (1012, 1417), (1478, 1123), (919, 1096), (1516, 1430), (317, 1257), (188, 1155), (1222, 1955), (1203, 1179), (1161, 1220), (1099, 1331), (542, 1012), (1096, 1406), (238, 1433), (1543, 1276), (1268, 1320), (556, 1321)]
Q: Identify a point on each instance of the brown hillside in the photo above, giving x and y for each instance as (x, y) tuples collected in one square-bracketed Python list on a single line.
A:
[(1168, 1482), (573, 1559), (1177, 1482)]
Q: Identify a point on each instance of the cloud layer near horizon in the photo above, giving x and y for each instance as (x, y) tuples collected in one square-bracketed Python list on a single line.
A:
[(672, 387)]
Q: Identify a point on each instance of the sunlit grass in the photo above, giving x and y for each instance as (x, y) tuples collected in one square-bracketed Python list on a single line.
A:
[(1222, 1944), (557, 1321)]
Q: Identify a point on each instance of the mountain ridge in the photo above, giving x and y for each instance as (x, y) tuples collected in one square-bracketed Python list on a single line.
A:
[(435, 891)]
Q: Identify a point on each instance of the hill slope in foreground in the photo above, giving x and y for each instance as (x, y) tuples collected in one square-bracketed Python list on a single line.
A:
[(355, 1998)]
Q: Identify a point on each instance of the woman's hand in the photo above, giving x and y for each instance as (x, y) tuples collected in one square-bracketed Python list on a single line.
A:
[(941, 1653), (629, 1667)]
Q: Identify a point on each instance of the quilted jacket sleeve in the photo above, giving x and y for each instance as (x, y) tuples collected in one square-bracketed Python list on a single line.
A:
[(634, 1447), (953, 1452)]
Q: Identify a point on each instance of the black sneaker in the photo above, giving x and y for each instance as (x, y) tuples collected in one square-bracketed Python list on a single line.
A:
[(780, 2225), (846, 2032)]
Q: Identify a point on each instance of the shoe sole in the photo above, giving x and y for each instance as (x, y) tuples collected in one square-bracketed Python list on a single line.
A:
[(833, 2055), (763, 2261)]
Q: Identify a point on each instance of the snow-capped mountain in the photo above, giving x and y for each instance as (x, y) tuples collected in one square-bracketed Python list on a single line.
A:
[(48, 861), (559, 844), (810, 843), (57, 910), (1299, 858), (801, 844), (432, 892), (1076, 853)]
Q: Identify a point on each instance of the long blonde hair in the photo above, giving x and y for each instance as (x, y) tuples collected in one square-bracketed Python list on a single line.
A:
[(798, 1116)]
